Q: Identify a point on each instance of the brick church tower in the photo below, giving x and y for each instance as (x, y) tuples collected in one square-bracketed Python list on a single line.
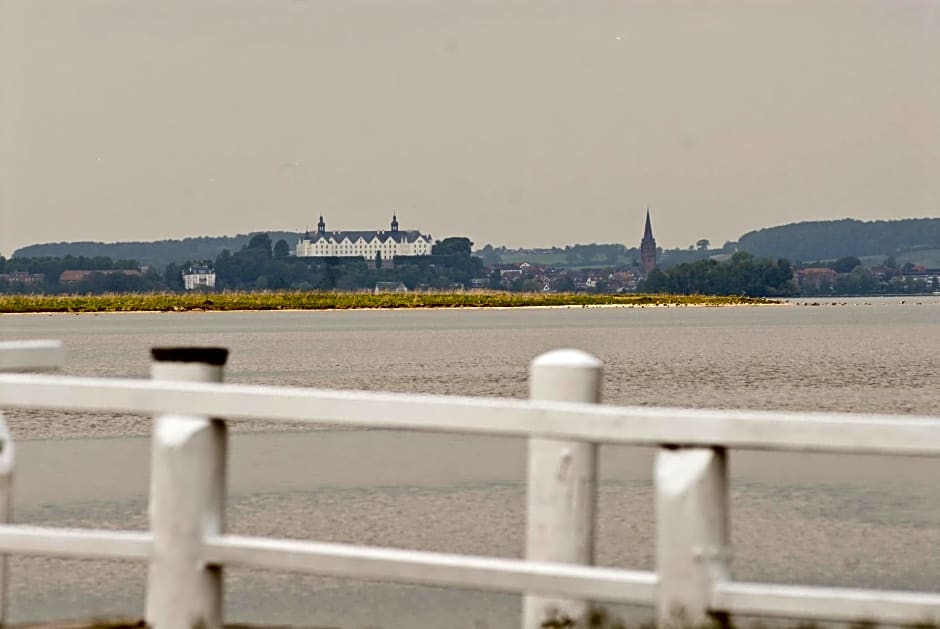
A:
[(648, 248)]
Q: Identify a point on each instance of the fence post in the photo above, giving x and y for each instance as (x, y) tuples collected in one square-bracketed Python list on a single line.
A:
[(692, 540), (561, 483), (7, 458), (187, 499)]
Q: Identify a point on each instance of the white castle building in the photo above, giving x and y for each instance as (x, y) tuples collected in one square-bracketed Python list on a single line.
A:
[(198, 275), (363, 244)]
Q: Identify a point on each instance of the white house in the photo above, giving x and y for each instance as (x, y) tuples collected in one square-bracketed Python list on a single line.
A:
[(363, 244), (197, 276)]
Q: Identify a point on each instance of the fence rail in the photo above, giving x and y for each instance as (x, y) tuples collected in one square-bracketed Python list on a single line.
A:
[(839, 604), (753, 430), (31, 355), (186, 545)]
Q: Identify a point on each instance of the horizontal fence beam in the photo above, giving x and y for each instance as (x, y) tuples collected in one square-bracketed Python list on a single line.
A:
[(31, 355), (483, 573), (434, 569), (837, 604), (760, 430), (85, 543)]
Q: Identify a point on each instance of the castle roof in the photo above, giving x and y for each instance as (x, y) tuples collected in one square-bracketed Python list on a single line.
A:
[(368, 236)]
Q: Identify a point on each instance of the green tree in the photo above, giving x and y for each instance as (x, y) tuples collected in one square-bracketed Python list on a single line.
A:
[(562, 284), (656, 282), (260, 242), (743, 274), (453, 246), (703, 244), (173, 276), (489, 255), (281, 249), (846, 264)]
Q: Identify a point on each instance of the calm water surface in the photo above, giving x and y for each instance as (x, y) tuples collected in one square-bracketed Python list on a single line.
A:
[(839, 520)]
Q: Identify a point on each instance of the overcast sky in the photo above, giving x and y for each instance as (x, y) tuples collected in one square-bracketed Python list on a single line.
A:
[(518, 122)]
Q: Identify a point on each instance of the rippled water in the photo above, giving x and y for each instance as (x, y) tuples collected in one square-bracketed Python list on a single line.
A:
[(796, 518)]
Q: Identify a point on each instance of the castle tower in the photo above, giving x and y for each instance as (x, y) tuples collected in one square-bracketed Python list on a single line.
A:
[(648, 248), (394, 224), (321, 226)]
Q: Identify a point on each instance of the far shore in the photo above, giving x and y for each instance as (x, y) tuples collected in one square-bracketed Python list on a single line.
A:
[(297, 301)]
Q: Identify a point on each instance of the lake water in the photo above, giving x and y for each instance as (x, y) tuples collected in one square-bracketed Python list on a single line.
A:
[(837, 520)]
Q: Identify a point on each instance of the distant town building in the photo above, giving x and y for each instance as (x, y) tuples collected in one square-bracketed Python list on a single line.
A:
[(647, 248), (198, 276), (70, 276), (816, 278), (363, 244), (22, 277)]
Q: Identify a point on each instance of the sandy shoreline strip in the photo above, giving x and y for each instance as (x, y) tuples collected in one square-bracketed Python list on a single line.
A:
[(397, 309)]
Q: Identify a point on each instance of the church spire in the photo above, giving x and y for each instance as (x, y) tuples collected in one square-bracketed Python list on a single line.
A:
[(321, 226), (648, 232), (394, 224), (648, 247)]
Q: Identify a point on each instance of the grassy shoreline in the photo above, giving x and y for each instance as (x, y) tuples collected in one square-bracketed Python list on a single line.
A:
[(230, 301)]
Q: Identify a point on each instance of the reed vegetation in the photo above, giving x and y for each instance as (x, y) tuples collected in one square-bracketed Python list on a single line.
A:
[(171, 302)]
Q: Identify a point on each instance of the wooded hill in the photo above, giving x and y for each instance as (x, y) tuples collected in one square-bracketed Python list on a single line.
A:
[(157, 254), (829, 240)]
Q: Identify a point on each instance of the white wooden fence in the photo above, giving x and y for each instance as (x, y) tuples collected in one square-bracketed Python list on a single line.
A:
[(186, 546)]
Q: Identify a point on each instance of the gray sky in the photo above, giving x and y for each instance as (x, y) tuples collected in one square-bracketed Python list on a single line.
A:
[(519, 122)]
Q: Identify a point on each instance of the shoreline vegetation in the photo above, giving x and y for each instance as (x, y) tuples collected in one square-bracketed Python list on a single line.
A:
[(599, 619), (234, 301)]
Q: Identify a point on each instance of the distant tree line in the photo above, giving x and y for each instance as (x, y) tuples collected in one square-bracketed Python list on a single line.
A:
[(594, 255), (829, 240), (798, 242), (257, 265), (743, 274), (262, 264), (599, 254), (156, 254), (52, 268)]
